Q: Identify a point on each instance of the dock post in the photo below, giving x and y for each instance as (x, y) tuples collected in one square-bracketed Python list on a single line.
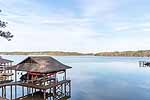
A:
[(11, 92), (140, 64), (143, 64), (27, 90), (15, 91), (15, 85), (32, 91), (54, 90), (5, 92), (61, 88), (50, 90), (44, 94), (22, 91), (69, 88), (65, 83), (2, 91)]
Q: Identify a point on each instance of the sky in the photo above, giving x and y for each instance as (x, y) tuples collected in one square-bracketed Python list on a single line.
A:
[(76, 25)]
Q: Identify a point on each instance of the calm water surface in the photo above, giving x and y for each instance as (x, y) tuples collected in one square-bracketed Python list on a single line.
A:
[(105, 78)]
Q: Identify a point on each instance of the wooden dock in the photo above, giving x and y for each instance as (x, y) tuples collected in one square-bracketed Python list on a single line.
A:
[(42, 87), (40, 78), (54, 89), (35, 96), (39, 96), (144, 63)]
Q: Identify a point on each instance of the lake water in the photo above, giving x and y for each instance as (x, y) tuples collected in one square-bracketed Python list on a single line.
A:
[(105, 78)]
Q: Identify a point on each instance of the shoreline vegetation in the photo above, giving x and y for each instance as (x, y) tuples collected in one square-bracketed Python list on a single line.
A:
[(140, 53), (52, 53)]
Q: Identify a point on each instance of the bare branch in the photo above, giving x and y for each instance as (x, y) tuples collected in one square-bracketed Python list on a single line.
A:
[(6, 35), (2, 24)]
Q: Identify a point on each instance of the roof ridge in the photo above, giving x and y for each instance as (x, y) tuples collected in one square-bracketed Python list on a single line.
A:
[(40, 56)]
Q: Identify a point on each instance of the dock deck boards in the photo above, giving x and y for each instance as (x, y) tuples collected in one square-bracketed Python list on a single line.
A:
[(32, 85), (35, 96), (39, 96)]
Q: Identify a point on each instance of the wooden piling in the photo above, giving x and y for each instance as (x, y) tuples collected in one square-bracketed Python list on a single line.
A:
[(22, 91), (44, 94), (11, 92)]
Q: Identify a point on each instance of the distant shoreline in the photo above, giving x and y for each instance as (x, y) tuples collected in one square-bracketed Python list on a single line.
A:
[(139, 53), (51, 53)]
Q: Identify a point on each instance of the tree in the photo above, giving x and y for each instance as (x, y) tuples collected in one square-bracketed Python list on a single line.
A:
[(4, 34)]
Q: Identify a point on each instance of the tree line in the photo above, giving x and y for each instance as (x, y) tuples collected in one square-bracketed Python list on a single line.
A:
[(139, 53)]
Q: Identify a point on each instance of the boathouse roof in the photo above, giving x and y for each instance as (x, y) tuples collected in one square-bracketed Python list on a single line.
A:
[(4, 61), (41, 64)]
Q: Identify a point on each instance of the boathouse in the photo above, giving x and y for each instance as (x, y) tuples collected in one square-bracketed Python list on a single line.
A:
[(5, 63), (40, 74), (5, 75)]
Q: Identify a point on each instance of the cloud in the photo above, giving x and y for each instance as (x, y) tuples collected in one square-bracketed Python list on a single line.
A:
[(122, 28), (54, 31), (147, 24), (96, 7), (146, 29), (86, 25)]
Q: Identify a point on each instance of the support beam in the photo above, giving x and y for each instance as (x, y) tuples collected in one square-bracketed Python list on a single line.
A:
[(65, 83), (11, 92), (32, 91), (22, 91), (5, 91), (15, 76), (2, 92), (15, 91), (65, 75), (44, 94)]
